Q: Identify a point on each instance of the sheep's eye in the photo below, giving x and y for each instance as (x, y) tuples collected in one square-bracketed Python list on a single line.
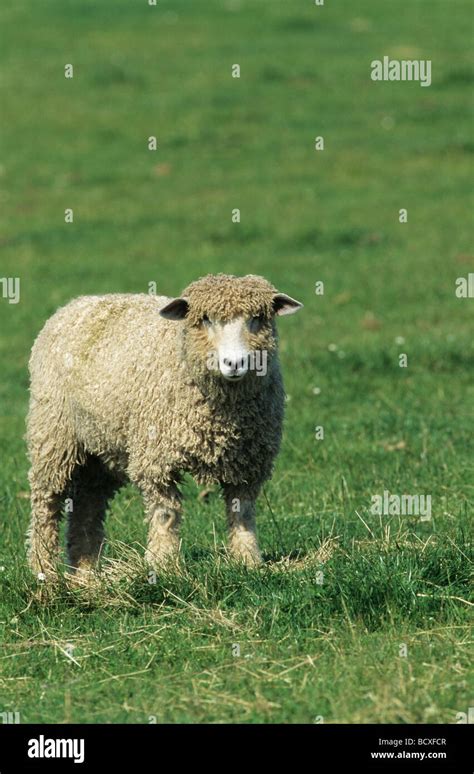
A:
[(205, 320), (257, 322)]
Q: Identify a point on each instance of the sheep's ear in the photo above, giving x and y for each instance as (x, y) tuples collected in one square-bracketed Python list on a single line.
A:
[(176, 309), (283, 304)]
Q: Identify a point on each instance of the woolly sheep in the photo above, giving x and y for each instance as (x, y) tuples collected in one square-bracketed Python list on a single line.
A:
[(141, 388)]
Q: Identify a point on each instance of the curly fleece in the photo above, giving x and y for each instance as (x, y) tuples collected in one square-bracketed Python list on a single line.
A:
[(215, 296), (119, 393)]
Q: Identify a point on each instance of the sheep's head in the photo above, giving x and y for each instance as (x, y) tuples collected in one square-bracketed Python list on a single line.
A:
[(229, 324)]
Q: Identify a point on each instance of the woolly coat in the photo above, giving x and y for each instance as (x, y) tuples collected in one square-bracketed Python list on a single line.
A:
[(110, 377)]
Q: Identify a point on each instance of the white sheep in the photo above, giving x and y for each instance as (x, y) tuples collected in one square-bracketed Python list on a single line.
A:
[(141, 388)]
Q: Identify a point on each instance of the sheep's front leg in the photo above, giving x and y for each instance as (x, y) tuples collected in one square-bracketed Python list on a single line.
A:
[(243, 544), (164, 519)]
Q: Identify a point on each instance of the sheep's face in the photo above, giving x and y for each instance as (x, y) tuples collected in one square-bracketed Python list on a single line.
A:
[(237, 346), (229, 325)]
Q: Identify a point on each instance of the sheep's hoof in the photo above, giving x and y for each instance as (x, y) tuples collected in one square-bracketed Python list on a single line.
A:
[(248, 558), (46, 577), (162, 559), (83, 575), (44, 571)]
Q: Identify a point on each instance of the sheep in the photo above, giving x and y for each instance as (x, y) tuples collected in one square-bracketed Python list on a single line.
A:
[(142, 388)]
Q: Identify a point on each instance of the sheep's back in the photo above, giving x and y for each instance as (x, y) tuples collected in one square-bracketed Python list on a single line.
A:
[(97, 352)]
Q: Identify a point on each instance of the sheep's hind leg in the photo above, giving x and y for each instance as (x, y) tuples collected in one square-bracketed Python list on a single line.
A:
[(243, 545), (92, 488), (43, 532), (164, 519), (53, 453)]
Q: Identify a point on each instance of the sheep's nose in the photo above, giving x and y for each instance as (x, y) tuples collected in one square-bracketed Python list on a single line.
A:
[(234, 367)]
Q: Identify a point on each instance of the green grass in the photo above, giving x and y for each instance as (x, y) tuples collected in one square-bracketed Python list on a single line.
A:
[(312, 646)]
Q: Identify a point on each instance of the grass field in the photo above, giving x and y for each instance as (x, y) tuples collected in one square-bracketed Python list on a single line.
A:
[(321, 628)]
